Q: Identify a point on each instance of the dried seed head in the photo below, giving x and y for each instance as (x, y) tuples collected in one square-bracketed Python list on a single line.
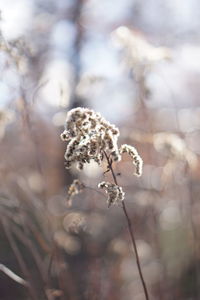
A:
[(115, 192), (138, 50), (75, 188), (174, 147), (88, 135), (137, 160)]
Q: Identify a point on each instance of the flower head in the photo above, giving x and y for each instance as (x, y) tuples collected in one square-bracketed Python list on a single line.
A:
[(75, 188), (137, 160), (115, 192), (88, 135)]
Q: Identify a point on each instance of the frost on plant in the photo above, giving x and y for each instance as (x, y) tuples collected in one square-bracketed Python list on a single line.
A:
[(90, 137)]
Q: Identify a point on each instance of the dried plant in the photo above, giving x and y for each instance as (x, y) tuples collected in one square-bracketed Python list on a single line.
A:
[(174, 147), (90, 137), (139, 52), (75, 188), (6, 117)]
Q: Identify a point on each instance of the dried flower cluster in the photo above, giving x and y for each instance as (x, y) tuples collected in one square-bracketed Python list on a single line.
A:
[(139, 51), (137, 160), (115, 192), (17, 50), (75, 188), (174, 147), (88, 135)]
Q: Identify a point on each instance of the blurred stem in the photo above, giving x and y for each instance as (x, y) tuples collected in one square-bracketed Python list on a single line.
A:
[(130, 228), (26, 117), (195, 237), (20, 259), (12, 275), (76, 50), (70, 289), (26, 240)]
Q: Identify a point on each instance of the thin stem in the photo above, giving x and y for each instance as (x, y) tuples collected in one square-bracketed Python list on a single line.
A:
[(135, 249), (12, 275), (20, 259), (130, 228), (195, 237)]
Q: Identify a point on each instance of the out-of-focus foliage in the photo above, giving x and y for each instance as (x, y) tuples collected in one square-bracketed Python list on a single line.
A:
[(137, 63)]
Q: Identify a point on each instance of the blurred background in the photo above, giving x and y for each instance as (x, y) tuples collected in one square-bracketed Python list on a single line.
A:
[(138, 64)]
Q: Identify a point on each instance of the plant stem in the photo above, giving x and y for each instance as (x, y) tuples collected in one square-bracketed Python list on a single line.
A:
[(20, 259), (130, 228), (135, 249)]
